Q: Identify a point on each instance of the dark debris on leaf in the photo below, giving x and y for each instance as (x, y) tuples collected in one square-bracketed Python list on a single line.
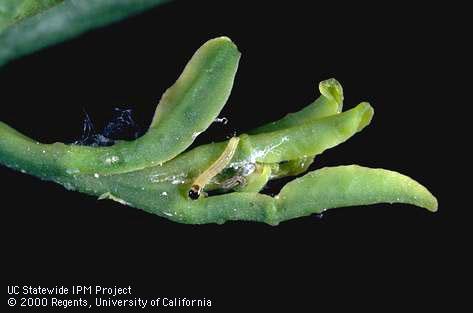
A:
[(120, 127)]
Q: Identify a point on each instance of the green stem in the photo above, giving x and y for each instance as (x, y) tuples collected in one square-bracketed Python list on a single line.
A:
[(24, 154)]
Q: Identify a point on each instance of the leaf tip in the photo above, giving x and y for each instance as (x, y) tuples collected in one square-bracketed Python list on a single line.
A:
[(432, 204), (366, 114), (332, 89)]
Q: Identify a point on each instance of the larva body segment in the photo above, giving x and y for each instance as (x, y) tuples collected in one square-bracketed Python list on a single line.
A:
[(216, 167)]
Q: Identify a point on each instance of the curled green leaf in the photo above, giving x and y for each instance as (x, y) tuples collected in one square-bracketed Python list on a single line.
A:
[(329, 103)]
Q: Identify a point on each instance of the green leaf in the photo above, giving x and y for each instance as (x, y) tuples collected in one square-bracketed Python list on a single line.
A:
[(13, 11), (352, 185), (192, 103), (31, 25), (309, 139), (329, 103)]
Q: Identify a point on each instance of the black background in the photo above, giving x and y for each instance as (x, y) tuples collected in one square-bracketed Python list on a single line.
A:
[(393, 56)]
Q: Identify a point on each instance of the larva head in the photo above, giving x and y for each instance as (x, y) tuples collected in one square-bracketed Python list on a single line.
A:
[(194, 192)]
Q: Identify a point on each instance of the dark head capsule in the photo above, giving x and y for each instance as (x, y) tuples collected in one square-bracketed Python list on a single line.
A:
[(194, 192)]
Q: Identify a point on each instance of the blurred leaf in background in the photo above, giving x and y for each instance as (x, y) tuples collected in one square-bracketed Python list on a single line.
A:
[(30, 25), (13, 11)]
